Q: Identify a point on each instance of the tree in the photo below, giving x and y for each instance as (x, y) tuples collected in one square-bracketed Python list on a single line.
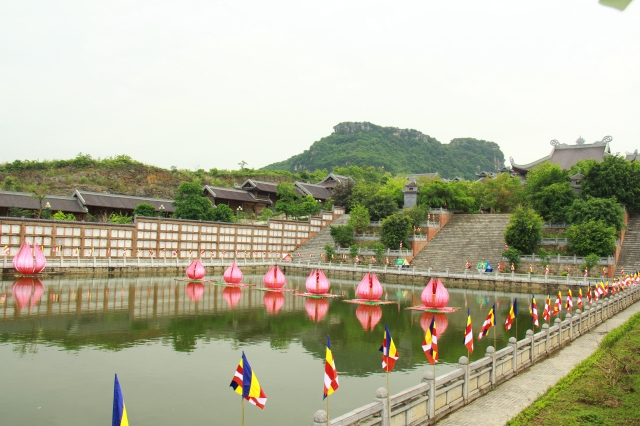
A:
[(448, 195), (524, 230), (605, 209), (378, 250), (40, 194), (222, 213), (309, 206), (418, 214), (548, 191), (266, 214), (342, 193), (615, 177), (513, 255), (381, 206), (62, 216), (396, 229), (500, 194), (590, 237), (353, 251), (288, 200), (120, 218), (144, 209), (191, 204), (329, 252), (342, 235), (359, 218)]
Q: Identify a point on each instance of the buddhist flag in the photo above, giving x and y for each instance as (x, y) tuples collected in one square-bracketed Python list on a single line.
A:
[(245, 383), (330, 372), (389, 353), (557, 306), (119, 417), (468, 333), (589, 298), (569, 305), (546, 314), (534, 312), (489, 322), (430, 343), (580, 298), (512, 315), (6, 250)]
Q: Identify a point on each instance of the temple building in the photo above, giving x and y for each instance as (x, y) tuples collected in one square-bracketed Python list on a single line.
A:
[(237, 199), (566, 156)]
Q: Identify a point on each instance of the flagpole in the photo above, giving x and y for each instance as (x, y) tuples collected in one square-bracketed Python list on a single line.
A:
[(388, 398), (327, 410), (242, 403)]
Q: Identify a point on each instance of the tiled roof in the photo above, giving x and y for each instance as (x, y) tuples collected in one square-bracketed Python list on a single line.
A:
[(331, 181), (567, 155), (232, 194), (316, 191), (119, 201), (260, 185), (23, 200)]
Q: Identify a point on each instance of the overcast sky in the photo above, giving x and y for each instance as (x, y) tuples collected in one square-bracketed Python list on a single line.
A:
[(207, 84)]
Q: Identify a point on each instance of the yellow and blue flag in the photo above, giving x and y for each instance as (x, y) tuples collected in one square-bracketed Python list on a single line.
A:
[(119, 417), (430, 342), (246, 383), (330, 373), (389, 353)]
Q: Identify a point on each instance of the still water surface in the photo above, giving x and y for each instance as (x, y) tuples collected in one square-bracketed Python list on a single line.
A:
[(175, 356)]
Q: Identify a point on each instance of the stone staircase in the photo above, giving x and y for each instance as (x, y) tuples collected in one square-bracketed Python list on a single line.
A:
[(316, 244), (630, 253), (473, 237)]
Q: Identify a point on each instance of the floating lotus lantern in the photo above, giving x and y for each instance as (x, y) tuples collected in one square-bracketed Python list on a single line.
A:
[(194, 291), (233, 274), (317, 282), (316, 309), (369, 288), (25, 289), (232, 295), (273, 301), (434, 298), (369, 316), (196, 271), (274, 278), (27, 263), (441, 321)]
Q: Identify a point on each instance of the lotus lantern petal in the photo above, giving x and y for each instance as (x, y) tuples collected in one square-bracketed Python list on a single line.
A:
[(196, 271), (317, 282), (233, 274), (434, 294), (369, 288), (274, 278), (27, 263)]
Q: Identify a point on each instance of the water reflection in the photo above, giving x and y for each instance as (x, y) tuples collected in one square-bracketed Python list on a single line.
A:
[(232, 295), (273, 301), (369, 316), (194, 290), (442, 322), (27, 290), (316, 308)]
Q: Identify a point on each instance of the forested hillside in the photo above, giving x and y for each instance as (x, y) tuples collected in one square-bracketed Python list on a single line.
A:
[(397, 150), (123, 175)]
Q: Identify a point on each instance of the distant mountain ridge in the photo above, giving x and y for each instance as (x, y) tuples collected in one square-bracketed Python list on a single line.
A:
[(397, 150)]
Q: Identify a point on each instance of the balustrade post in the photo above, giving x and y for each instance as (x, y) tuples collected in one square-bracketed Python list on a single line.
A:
[(108, 261), (558, 322), (579, 315), (320, 418), (545, 328), (382, 396), (430, 379), (514, 358), (464, 364), (570, 319), (531, 337), (491, 353), (124, 261)]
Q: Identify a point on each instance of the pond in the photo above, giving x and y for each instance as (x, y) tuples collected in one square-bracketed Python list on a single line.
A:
[(175, 347)]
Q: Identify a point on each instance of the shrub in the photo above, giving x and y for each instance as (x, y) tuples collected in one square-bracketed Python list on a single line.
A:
[(592, 237), (524, 230)]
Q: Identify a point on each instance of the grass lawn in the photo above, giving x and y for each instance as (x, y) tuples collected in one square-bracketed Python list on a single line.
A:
[(604, 389)]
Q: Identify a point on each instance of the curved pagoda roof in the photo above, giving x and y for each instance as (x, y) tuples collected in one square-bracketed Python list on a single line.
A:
[(566, 155)]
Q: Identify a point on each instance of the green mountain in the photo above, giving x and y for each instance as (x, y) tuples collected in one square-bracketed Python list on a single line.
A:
[(397, 150)]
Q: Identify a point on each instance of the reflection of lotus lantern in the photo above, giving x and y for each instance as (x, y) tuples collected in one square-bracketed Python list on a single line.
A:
[(233, 274), (434, 294), (316, 308), (369, 288), (194, 291), (25, 289), (317, 282), (274, 278), (27, 263), (441, 321), (232, 295), (369, 316), (273, 301), (196, 271)]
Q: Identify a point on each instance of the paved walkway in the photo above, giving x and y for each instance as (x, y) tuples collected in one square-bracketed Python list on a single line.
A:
[(516, 394)]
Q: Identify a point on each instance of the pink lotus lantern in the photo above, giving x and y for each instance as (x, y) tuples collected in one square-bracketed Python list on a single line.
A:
[(233, 274), (316, 308), (27, 263), (38, 291), (25, 289), (434, 294), (273, 301), (369, 316), (317, 282), (369, 288), (194, 291), (232, 295), (441, 321), (196, 270), (274, 278)]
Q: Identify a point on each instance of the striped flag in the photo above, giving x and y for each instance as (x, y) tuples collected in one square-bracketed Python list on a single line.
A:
[(245, 383), (580, 298), (430, 343), (150, 252), (119, 417), (534, 312), (330, 372), (6, 250), (557, 306), (569, 305), (468, 333), (589, 297), (389, 353), (512, 315), (489, 322), (546, 314), (124, 252)]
